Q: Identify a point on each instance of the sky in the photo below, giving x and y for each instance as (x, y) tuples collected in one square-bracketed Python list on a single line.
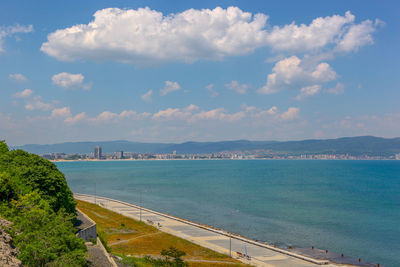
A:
[(176, 71)]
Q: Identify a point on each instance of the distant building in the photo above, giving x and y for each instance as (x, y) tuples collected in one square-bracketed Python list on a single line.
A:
[(119, 154), (397, 156), (174, 152), (97, 152)]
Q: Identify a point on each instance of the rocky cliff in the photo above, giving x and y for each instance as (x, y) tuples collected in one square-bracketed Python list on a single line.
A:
[(8, 253)]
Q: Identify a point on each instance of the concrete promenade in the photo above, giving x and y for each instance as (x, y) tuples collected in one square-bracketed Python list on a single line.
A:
[(218, 240)]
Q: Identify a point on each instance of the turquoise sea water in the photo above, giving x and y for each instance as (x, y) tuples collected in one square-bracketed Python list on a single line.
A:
[(350, 207)]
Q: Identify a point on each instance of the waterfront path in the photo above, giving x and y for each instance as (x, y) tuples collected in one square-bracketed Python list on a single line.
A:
[(218, 240)]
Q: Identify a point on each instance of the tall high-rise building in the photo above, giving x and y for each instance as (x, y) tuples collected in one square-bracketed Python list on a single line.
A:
[(97, 152)]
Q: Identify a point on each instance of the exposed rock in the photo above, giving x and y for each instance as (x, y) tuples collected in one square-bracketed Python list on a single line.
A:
[(8, 253)]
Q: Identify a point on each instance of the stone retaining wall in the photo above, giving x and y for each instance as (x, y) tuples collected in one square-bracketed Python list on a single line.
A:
[(89, 232)]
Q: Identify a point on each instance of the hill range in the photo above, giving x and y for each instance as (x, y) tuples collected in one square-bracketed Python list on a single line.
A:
[(360, 145)]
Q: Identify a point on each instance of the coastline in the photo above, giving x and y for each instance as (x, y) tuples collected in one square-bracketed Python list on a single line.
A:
[(130, 160), (294, 258)]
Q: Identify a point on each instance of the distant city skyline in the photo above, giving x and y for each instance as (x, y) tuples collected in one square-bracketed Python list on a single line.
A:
[(157, 71)]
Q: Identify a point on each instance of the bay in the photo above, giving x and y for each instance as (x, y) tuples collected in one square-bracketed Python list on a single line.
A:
[(348, 206)]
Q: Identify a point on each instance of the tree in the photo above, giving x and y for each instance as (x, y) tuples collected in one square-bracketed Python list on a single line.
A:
[(7, 188), (45, 238), (30, 172), (3, 147)]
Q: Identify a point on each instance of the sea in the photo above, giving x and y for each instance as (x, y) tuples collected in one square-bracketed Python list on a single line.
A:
[(346, 206)]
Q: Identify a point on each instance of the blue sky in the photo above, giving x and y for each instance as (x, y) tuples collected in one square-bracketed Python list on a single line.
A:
[(174, 71)]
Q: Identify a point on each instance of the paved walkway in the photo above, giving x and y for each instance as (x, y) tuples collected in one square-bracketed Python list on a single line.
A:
[(218, 240)]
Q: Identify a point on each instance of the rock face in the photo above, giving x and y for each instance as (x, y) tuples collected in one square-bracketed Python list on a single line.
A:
[(8, 253)]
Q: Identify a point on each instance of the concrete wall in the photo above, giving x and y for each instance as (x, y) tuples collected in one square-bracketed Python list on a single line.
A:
[(90, 232)]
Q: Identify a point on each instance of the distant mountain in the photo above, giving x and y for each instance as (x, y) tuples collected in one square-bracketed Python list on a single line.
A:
[(368, 145)]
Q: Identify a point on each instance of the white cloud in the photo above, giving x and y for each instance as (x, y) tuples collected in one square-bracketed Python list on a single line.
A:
[(36, 103), (147, 96), (172, 114), (11, 30), (145, 36), (69, 80), (169, 88), (291, 114), (237, 87), (327, 32), (218, 114), (308, 91), (338, 89), (33, 102), (210, 88), (318, 34), (24, 94), (106, 117), (63, 112), (77, 118), (357, 36), (291, 73), (18, 77)]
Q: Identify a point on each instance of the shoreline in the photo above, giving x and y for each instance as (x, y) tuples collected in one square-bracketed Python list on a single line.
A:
[(130, 160), (220, 232)]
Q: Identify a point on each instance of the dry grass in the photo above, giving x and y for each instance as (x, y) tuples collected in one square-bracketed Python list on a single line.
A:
[(126, 236)]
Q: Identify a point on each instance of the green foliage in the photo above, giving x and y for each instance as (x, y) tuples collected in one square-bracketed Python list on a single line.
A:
[(176, 255), (172, 258), (3, 147), (103, 240), (34, 195), (7, 188), (45, 238), (30, 172)]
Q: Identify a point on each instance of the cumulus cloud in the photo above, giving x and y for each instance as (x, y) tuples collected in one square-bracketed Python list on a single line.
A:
[(210, 88), (237, 87), (18, 77), (308, 91), (193, 114), (218, 114), (357, 36), (24, 94), (63, 112), (290, 73), (11, 30), (77, 118), (291, 114), (145, 36), (70, 81), (172, 114), (106, 117), (147, 96), (318, 34), (36, 103), (169, 88), (33, 102)]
